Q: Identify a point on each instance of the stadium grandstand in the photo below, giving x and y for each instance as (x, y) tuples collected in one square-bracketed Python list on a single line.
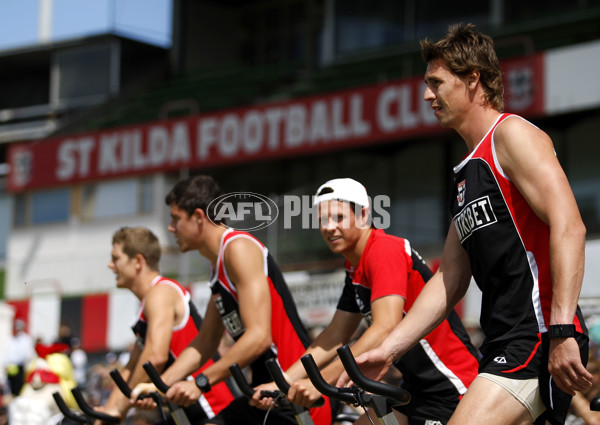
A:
[(272, 98)]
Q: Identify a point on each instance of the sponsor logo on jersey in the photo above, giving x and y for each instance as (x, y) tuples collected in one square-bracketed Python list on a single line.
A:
[(476, 215), (432, 422), (461, 193), (233, 324), (231, 320), (500, 360)]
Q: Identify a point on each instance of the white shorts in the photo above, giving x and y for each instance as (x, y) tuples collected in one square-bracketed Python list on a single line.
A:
[(527, 391)]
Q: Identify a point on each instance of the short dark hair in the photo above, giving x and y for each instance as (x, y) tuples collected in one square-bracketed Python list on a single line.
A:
[(465, 50), (195, 192), (139, 240)]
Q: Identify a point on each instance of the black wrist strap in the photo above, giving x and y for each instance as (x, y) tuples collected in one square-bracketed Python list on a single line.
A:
[(561, 331), (202, 383)]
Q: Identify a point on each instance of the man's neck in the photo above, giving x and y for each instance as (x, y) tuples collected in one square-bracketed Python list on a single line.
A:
[(354, 256), (475, 126), (143, 283), (211, 243)]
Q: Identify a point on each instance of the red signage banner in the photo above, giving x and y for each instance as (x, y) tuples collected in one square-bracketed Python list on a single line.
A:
[(372, 114)]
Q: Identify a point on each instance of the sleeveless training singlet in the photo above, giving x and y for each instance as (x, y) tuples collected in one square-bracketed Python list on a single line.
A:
[(289, 336), (509, 252), (508, 247), (444, 363), (183, 333)]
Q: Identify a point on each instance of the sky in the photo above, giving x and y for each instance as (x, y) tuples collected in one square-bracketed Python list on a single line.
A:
[(145, 20)]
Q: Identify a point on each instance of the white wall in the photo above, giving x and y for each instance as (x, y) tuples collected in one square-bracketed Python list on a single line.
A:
[(6, 326), (591, 277), (71, 258), (571, 78)]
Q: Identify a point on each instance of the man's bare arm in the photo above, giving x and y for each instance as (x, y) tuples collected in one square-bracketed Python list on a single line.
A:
[(527, 156)]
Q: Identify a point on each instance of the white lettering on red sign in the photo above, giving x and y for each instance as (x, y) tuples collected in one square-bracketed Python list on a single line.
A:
[(74, 158), (272, 129)]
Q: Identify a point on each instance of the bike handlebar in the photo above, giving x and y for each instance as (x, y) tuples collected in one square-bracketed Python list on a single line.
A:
[(120, 383), (275, 372), (244, 386), (68, 413), (277, 375), (177, 413), (323, 386), (89, 410), (155, 377), (240, 380), (125, 388), (399, 395)]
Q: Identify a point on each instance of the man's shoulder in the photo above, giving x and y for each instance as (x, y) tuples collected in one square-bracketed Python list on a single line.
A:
[(383, 245), (513, 124), (382, 241), (164, 288)]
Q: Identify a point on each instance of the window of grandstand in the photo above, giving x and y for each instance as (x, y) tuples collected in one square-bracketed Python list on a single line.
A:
[(433, 17), (146, 197), (50, 206), (518, 10), (365, 25), (86, 75), (20, 210), (116, 198), (361, 25), (276, 31), (42, 207)]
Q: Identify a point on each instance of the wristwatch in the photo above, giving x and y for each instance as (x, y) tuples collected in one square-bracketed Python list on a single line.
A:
[(202, 383), (561, 331)]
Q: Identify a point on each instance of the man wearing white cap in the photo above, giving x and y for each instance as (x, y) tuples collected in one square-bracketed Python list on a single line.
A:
[(384, 275)]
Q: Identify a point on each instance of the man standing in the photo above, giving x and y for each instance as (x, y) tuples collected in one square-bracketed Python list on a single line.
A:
[(250, 300), (166, 322), (384, 275), (19, 352), (517, 230)]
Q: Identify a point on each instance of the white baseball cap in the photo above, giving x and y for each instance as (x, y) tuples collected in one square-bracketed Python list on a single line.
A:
[(345, 189)]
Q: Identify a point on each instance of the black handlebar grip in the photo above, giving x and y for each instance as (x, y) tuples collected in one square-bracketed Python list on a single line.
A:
[(124, 387), (320, 384), (244, 386), (68, 413), (120, 382), (277, 375), (155, 377), (398, 395), (240, 380), (88, 410), (595, 404)]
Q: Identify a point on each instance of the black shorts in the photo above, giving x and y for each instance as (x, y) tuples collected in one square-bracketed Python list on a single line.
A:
[(239, 412), (528, 358), (429, 410), (433, 396)]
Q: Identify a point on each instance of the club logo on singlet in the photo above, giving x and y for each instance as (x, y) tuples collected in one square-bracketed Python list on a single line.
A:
[(476, 215), (461, 193)]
